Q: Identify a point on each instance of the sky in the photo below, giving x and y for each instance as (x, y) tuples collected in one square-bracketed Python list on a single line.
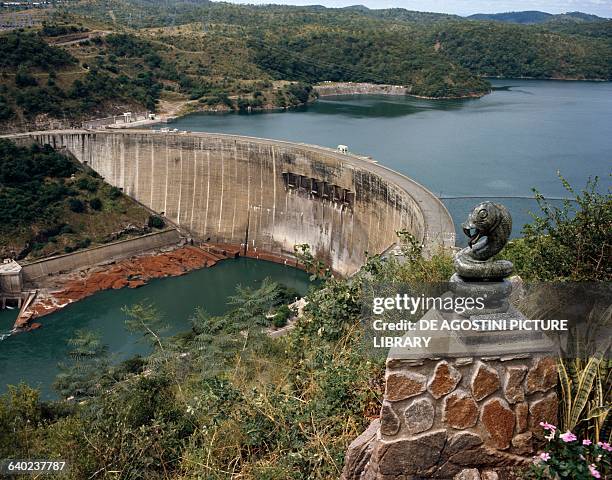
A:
[(602, 8)]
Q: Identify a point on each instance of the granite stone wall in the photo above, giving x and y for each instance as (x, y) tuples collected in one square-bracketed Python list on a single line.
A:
[(456, 418)]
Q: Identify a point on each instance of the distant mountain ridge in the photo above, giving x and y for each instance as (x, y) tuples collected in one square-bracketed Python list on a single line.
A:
[(529, 17)]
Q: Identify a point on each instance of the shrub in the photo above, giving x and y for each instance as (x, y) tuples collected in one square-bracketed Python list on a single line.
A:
[(27, 49), (571, 242), (6, 111), (156, 221), (52, 30), (24, 79), (95, 203), (76, 205), (567, 456), (84, 243), (282, 316), (114, 193), (87, 183), (19, 412)]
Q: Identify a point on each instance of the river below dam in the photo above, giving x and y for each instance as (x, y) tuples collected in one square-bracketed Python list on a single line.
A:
[(495, 147), (32, 357)]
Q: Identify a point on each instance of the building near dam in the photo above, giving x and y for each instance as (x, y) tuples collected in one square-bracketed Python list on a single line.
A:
[(262, 195)]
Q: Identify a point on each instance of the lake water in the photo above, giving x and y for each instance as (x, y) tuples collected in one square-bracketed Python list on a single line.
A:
[(32, 357), (501, 145)]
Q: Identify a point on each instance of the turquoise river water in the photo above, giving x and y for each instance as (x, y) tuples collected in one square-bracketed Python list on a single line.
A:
[(32, 357)]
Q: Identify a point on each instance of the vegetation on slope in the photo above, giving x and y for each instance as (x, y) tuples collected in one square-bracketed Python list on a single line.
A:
[(311, 27), (501, 50), (51, 82), (222, 400), (50, 204), (373, 56), (534, 16), (185, 57)]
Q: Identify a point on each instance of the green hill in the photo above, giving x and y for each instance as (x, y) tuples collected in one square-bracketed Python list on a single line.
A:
[(94, 58), (531, 17)]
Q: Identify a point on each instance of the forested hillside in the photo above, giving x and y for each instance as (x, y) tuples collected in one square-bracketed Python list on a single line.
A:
[(534, 16), (512, 51), (94, 58), (39, 79), (50, 204)]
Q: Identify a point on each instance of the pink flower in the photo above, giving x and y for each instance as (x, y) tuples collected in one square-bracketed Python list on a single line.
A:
[(594, 471), (605, 445), (548, 426), (586, 441), (544, 456), (568, 437)]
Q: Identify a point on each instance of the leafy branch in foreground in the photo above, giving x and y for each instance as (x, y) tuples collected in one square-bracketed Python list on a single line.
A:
[(571, 242), (145, 319), (82, 377)]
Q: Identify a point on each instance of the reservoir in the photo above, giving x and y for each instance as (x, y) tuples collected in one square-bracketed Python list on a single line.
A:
[(501, 145), (32, 357)]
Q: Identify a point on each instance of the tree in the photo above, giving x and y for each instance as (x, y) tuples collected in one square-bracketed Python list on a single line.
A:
[(6, 111), (95, 203), (89, 362), (24, 79), (251, 305), (156, 221), (281, 316), (146, 320), (76, 205)]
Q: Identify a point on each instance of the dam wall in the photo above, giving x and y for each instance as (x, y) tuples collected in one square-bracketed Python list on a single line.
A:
[(327, 89), (262, 194), (68, 262)]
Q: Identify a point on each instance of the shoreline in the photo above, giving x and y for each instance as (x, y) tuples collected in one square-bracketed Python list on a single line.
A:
[(167, 119), (377, 89), (346, 89), (593, 80), (132, 272), (349, 88)]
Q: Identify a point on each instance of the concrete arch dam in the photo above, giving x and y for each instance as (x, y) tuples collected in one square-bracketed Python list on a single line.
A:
[(268, 194)]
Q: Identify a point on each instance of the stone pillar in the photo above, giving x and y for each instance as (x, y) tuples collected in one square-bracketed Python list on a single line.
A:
[(442, 416), (475, 412)]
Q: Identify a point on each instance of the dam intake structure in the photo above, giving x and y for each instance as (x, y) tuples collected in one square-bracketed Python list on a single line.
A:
[(262, 195)]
